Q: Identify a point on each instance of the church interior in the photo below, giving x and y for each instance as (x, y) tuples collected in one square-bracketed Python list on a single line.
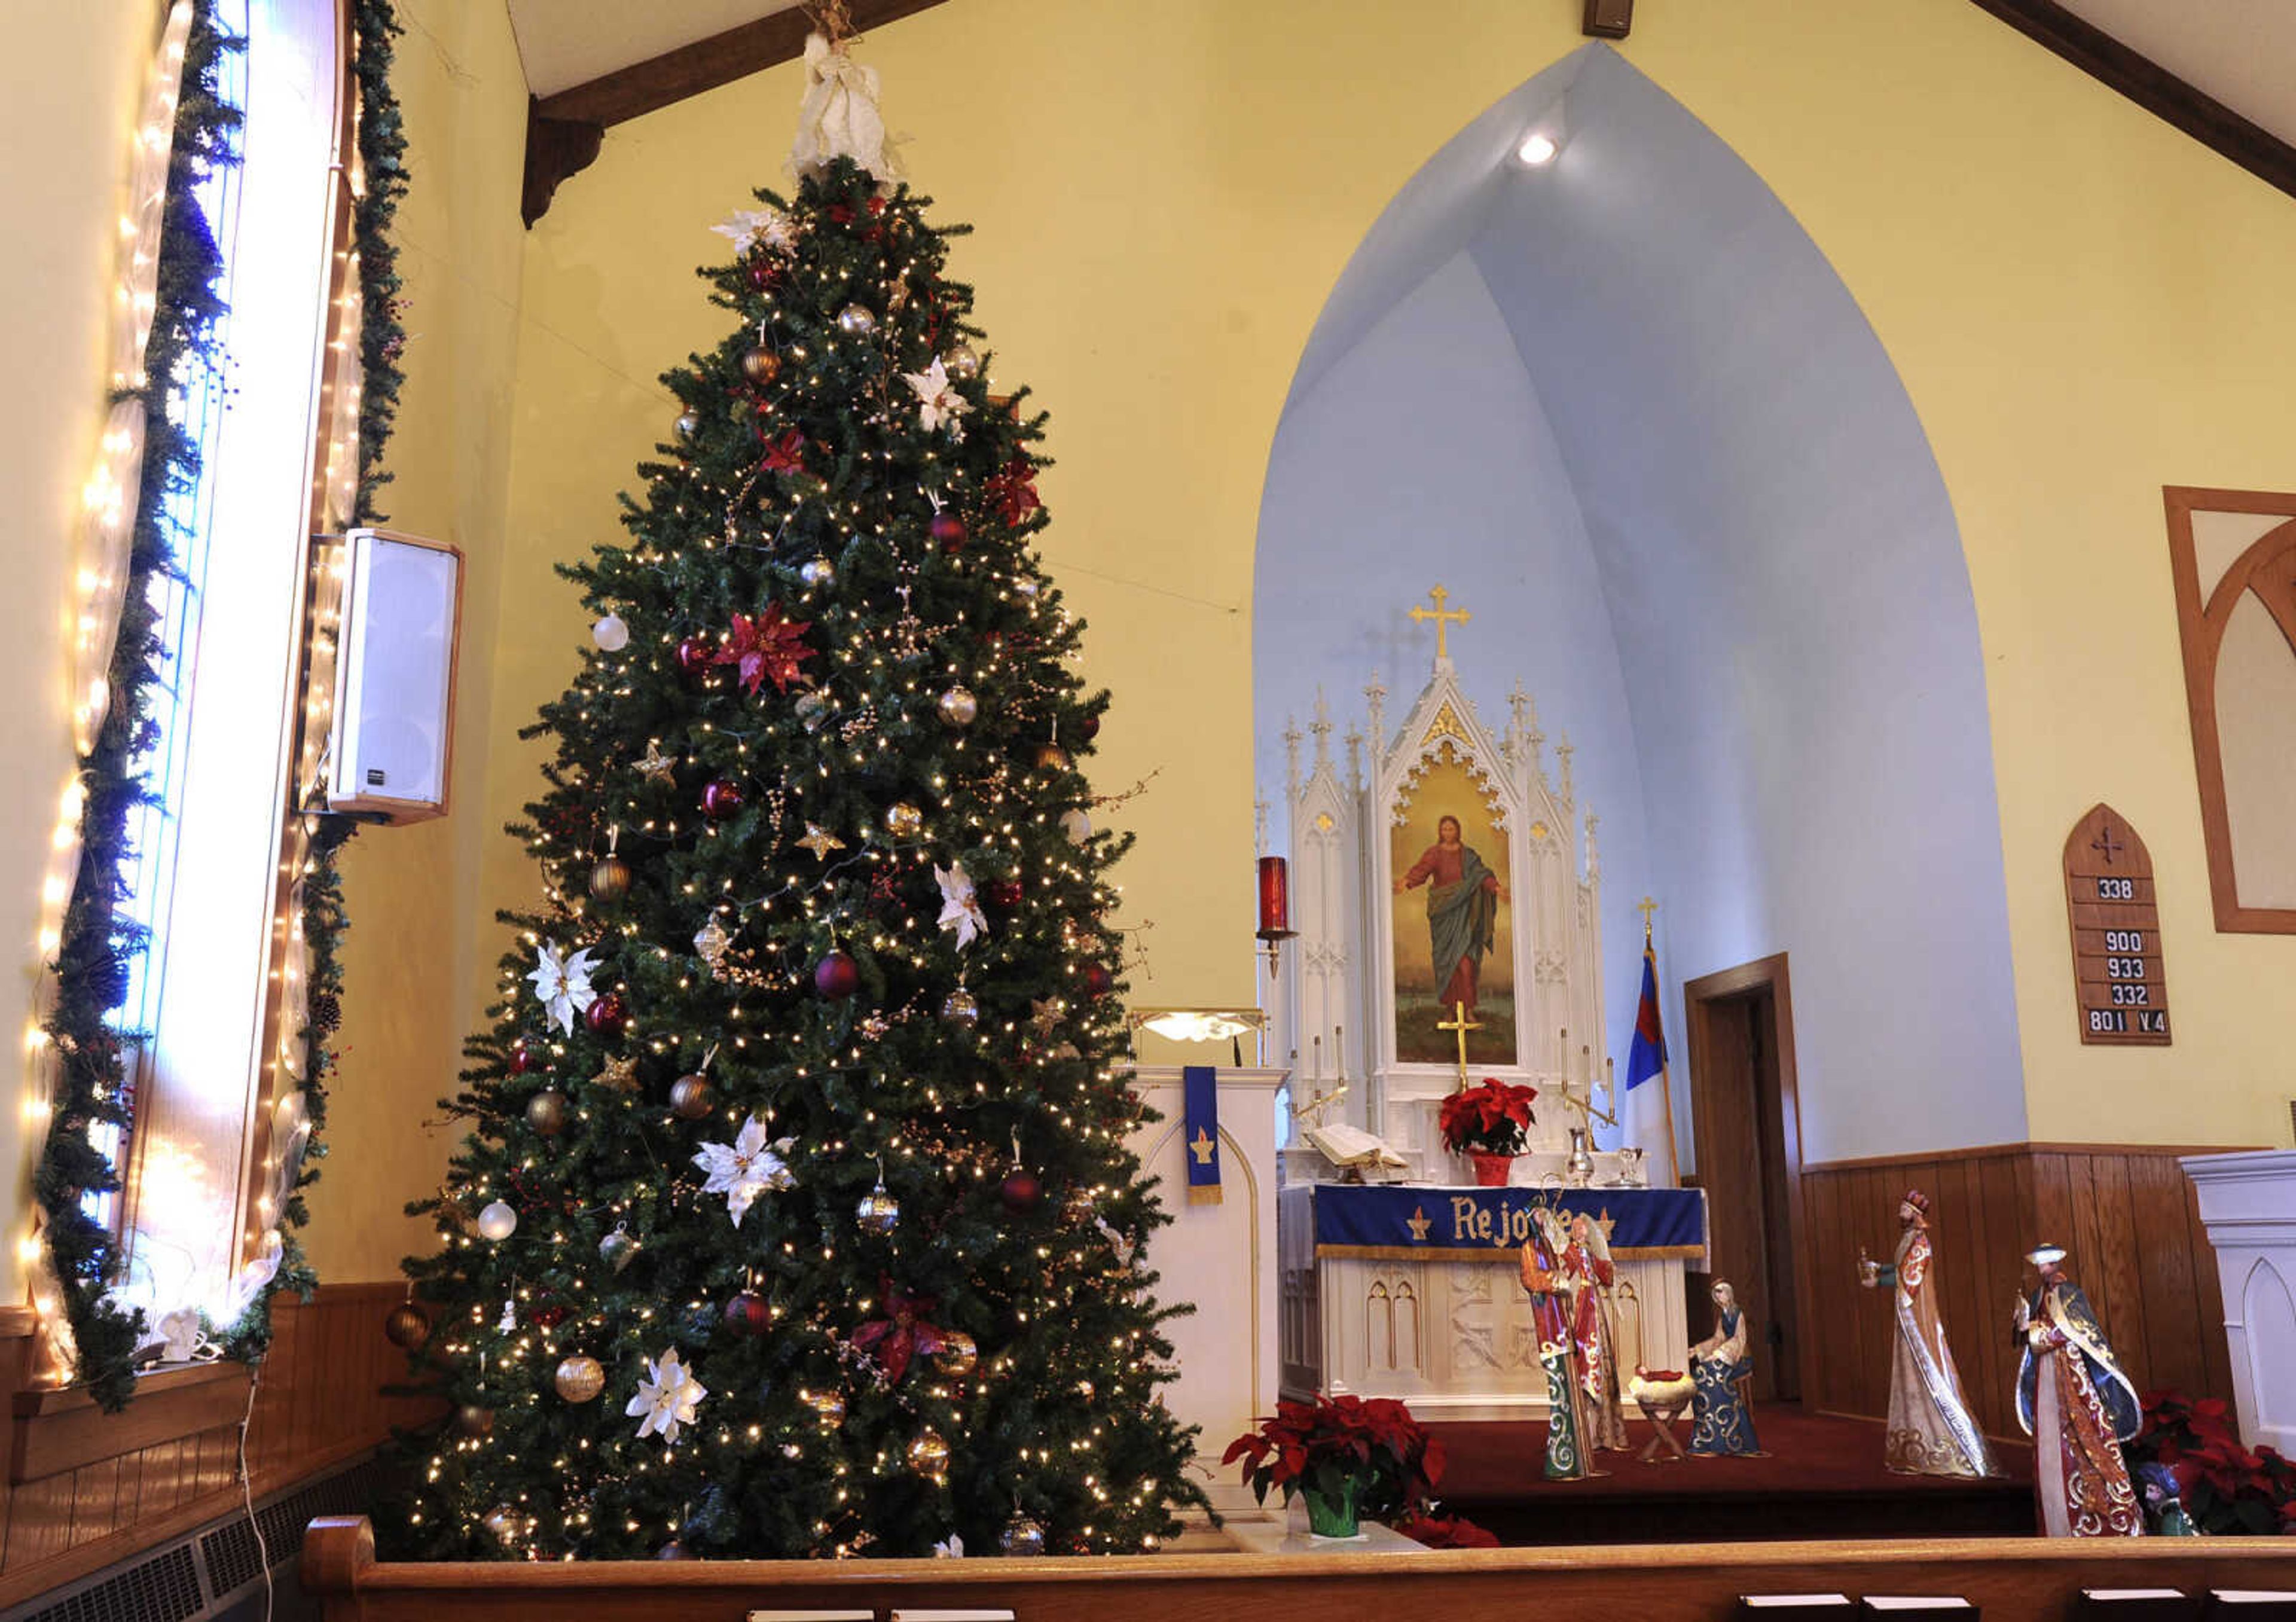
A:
[(1546, 752)]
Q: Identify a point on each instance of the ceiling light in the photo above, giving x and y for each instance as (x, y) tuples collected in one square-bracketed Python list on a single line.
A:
[(1538, 149)]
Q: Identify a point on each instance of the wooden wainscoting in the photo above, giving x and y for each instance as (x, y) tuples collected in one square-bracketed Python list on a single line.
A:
[(2127, 1215), (86, 1488)]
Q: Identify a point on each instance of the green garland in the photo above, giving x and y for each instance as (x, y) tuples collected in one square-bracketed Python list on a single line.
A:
[(382, 158), (99, 939)]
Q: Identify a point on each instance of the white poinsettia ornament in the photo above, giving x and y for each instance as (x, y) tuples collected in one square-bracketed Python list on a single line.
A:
[(667, 1399), (960, 909), (938, 402), (747, 228), (745, 1168), (562, 983)]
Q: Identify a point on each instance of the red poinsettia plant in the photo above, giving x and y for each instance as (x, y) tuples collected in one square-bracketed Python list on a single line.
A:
[(2225, 1487), (1324, 1445), (1491, 1117)]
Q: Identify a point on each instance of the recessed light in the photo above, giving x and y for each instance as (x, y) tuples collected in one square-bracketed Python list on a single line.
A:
[(1537, 148)]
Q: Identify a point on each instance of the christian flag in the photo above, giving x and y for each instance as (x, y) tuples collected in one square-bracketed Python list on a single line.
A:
[(1650, 1114)]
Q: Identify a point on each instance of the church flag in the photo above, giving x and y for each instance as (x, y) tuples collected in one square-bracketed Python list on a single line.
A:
[(1650, 1111), (1199, 1132)]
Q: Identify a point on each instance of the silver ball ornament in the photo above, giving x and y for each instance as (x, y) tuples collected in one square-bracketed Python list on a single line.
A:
[(1021, 1536), (856, 321), (504, 1522), (687, 425), (817, 573), (617, 1249), (611, 633), (498, 1222), (960, 1009), (1077, 826), (962, 362), (957, 707), (879, 1212)]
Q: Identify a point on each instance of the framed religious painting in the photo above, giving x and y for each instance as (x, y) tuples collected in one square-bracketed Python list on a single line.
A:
[(1454, 932)]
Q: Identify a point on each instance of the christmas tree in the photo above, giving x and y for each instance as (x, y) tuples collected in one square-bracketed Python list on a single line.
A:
[(796, 1216)]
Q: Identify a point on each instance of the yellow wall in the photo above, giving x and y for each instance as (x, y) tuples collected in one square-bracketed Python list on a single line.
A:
[(409, 890), (2084, 305), (71, 84)]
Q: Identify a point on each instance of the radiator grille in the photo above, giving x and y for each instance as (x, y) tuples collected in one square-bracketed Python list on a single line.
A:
[(229, 1552), (163, 1589)]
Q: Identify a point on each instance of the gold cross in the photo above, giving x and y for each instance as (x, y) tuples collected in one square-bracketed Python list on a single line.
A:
[(1462, 1024), (1444, 620), (1647, 906), (1203, 1147)]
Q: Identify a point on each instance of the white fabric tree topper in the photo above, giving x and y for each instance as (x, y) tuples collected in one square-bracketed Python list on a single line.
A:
[(838, 117)]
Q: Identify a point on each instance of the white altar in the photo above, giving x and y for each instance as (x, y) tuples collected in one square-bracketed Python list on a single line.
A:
[(1446, 890)]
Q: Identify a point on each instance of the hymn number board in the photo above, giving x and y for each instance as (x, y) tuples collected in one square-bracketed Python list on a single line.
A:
[(2118, 982)]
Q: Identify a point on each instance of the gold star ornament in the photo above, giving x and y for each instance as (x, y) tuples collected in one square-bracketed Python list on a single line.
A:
[(820, 841), (653, 765), (619, 1075)]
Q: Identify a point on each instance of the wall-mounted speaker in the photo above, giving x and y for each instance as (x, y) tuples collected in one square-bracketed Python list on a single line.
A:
[(391, 741)]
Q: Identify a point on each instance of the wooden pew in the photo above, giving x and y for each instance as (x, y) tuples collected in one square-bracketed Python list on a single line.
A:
[(2008, 1579)]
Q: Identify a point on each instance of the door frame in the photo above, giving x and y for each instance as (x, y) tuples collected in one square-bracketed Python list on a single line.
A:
[(1698, 997)]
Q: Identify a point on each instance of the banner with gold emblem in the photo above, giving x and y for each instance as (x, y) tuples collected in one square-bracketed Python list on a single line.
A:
[(1200, 1127)]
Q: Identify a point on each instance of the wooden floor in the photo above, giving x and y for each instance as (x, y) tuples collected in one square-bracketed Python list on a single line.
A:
[(1823, 1478)]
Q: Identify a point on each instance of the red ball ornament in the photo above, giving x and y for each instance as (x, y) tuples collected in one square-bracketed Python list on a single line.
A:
[(1087, 727), (550, 1317), (1003, 893), (523, 1061), (693, 656), (947, 531), (1097, 981), (720, 799), (1022, 1192), (748, 1315), (607, 1015), (837, 976)]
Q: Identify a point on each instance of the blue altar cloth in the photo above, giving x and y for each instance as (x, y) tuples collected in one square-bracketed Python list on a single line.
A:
[(1397, 1221)]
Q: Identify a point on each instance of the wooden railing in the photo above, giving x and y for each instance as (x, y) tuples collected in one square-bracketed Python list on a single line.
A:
[(2009, 1579)]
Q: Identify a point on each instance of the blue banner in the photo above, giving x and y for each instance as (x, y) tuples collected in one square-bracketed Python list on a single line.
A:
[(1199, 1129), (1396, 1221)]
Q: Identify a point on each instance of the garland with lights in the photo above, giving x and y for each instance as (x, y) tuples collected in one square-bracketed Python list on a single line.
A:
[(380, 141), (99, 938), (797, 1134)]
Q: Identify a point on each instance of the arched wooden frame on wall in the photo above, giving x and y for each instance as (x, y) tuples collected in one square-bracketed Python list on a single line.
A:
[(2234, 557)]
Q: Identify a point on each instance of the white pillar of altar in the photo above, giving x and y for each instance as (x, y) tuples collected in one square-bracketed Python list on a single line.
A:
[(2249, 1203), (1219, 1259)]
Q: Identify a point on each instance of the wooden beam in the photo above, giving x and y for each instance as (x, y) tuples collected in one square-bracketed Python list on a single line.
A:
[(2152, 87), (646, 86), (563, 131)]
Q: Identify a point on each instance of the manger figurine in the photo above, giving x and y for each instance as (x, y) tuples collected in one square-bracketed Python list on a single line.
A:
[(1721, 1410), (1931, 1431), (2075, 1403)]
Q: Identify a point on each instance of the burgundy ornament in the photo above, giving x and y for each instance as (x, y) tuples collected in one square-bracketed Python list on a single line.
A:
[(721, 799), (748, 1315), (694, 655), (607, 1015), (1087, 727), (1004, 894), (837, 976), (550, 1317), (1097, 981), (947, 531), (523, 1060), (1022, 1192)]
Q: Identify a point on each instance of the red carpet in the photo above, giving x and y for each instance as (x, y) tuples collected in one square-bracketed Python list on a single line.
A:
[(1823, 1476)]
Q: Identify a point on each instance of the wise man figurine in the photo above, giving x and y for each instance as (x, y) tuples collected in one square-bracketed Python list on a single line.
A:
[(1567, 1408), (2075, 1403), (1931, 1431)]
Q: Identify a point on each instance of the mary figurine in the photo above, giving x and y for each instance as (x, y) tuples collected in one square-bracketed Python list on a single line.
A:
[(1722, 1422)]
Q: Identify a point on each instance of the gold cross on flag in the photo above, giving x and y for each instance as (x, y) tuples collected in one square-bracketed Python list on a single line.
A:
[(1444, 618)]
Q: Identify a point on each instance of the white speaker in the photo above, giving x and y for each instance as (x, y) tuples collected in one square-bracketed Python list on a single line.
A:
[(392, 739)]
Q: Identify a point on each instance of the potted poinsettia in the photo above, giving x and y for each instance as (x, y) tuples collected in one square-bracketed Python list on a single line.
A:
[(1347, 1456), (1488, 1123)]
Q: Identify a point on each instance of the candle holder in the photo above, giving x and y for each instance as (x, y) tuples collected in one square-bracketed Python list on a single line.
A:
[(1275, 909)]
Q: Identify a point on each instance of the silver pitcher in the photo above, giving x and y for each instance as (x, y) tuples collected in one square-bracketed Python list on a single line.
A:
[(1579, 1166)]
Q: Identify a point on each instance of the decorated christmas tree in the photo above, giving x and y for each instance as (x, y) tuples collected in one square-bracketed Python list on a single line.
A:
[(796, 1216)]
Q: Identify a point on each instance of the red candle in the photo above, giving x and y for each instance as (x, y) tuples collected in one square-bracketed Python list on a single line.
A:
[(1275, 897)]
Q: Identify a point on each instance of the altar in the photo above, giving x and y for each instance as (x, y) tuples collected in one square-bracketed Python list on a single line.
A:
[(1411, 1290)]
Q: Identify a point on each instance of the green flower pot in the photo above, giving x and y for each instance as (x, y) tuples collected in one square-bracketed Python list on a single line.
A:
[(1331, 1516)]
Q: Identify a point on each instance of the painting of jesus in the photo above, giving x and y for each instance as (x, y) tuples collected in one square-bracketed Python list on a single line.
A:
[(1454, 948)]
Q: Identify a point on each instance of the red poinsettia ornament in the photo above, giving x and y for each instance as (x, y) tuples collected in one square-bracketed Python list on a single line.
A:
[(1492, 1117), (769, 647), (785, 455), (1013, 490), (896, 1337)]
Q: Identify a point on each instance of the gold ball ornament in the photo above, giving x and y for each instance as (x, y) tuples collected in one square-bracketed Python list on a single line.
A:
[(761, 365), (905, 820), (1052, 757), (691, 1097), (1077, 1205), (962, 362), (957, 707), (546, 1112), (960, 1009), (579, 1379), (929, 1455), (609, 880), (407, 1326), (828, 1407), (958, 1355), (505, 1523), (1021, 1536), (879, 1212)]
